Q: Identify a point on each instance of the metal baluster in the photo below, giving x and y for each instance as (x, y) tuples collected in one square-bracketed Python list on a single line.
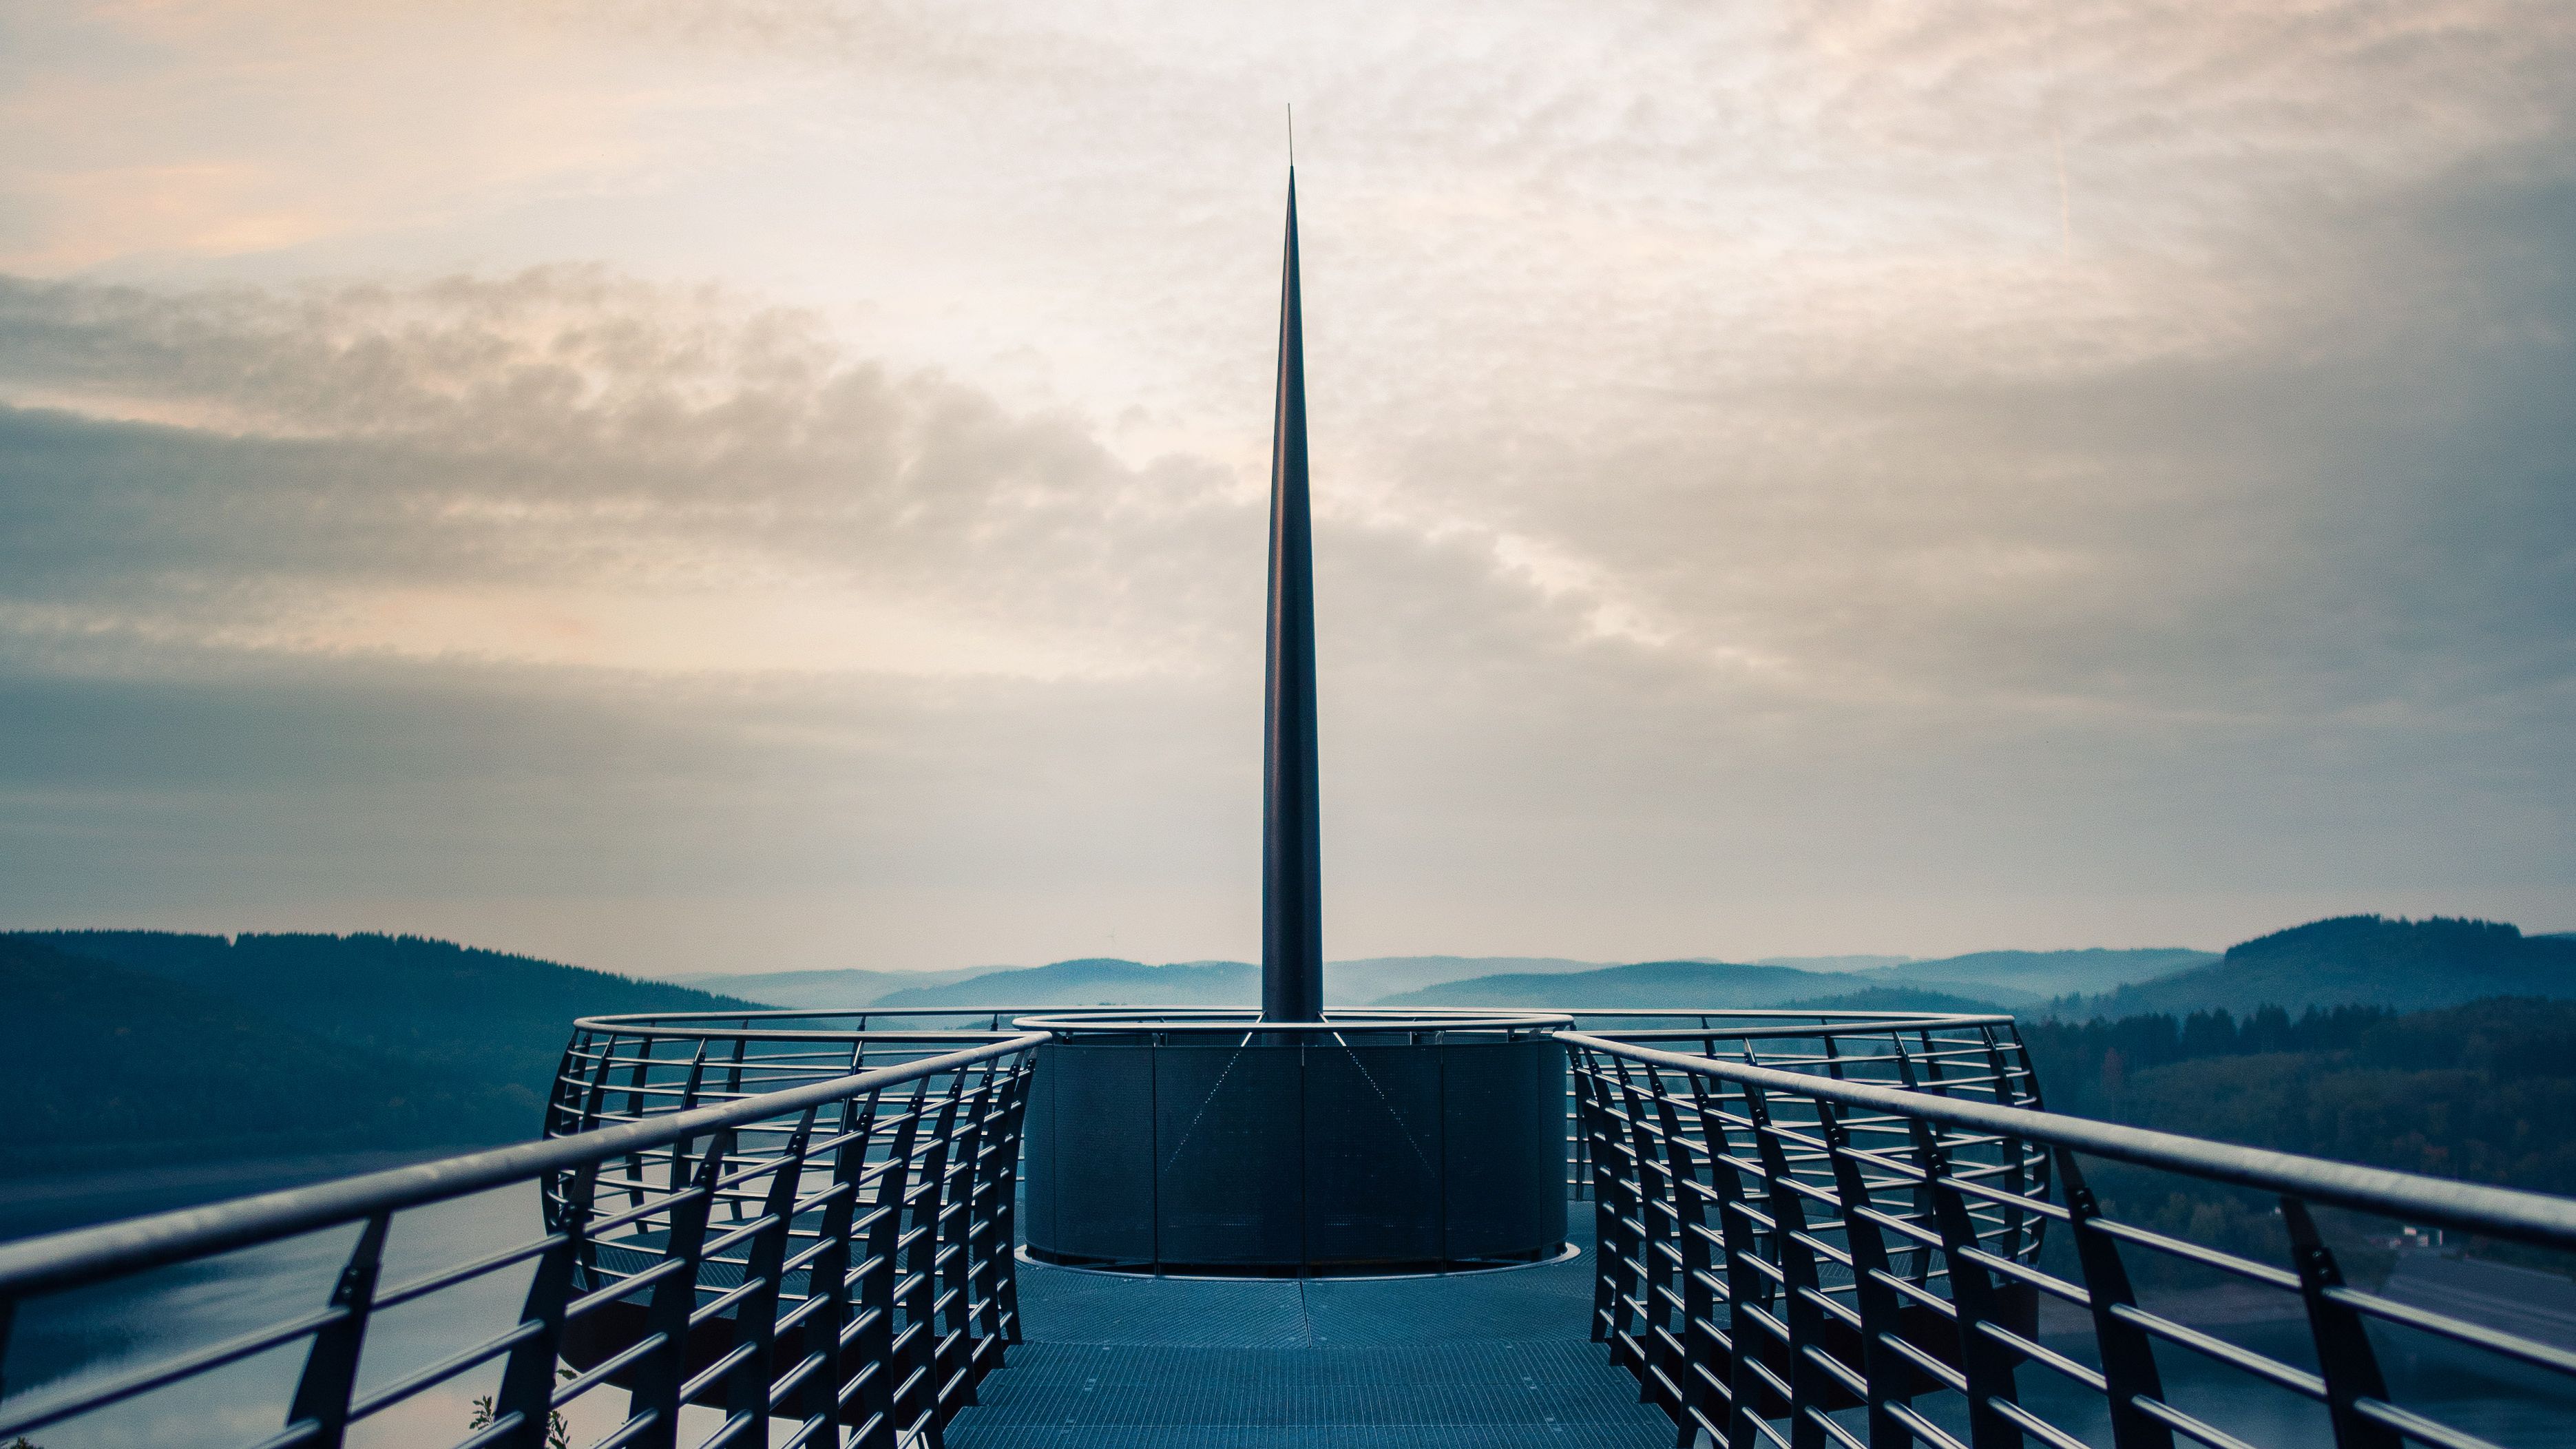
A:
[(877, 1283), (658, 1374), (1987, 1364), (755, 1317), (2128, 1356), (1745, 1388), (934, 1347), (635, 1109), (331, 1365), (1006, 1199), (528, 1377), (2344, 1356), (1702, 1397), (2015, 1154), (915, 1390), (957, 1230), (1810, 1385), (1590, 1122), (733, 1092), (828, 1276), (1890, 1376), (1656, 1370)]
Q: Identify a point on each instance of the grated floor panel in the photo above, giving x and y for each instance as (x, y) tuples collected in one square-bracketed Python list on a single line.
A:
[(1465, 1362)]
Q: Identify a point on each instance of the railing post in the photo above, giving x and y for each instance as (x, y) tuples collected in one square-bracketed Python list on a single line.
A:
[(996, 1280), (1703, 1397), (1616, 1215), (2344, 1355), (755, 1317), (528, 1378), (877, 1277), (914, 1361), (2016, 1154), (1810, 1386), (2128, 1356), (331, 1365), (659, 1374), (1988, 1365), (1889, 1376), (1656, 1301), (958, 1241), (828, 1276), (1745, 1386)]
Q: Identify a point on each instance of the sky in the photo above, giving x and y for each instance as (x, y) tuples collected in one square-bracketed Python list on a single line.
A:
[(705, 487)]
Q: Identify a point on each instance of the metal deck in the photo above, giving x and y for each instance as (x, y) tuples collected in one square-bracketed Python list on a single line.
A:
[(1477, 1359)]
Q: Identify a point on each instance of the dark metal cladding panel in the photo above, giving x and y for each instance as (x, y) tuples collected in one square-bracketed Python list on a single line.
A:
[(1037, 1172), (1373, 1148), (1505, 1141), (1226, 1126), (1096, 1152)]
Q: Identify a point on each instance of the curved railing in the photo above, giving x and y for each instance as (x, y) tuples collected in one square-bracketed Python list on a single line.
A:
[(855, 1270), (699, 1055), (1782, 1247)]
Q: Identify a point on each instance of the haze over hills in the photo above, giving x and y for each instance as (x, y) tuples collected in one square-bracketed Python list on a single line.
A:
[(1987, 979), (1094, 981), (1676, 984), (2042, 975), (832, 990), (1370, 980), (1830, 963)]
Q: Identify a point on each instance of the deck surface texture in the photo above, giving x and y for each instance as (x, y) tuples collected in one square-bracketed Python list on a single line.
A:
[(1481, 1359)]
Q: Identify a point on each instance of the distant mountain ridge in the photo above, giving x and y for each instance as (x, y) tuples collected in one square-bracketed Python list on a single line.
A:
[(1984, 981), (841, 989), (499, 1016), (2360, 961), (1093, 981), (1646, 984), (2038, 975)]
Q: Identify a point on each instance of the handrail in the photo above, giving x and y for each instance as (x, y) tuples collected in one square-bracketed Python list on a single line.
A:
[(2526, 1217), (82, 1255)]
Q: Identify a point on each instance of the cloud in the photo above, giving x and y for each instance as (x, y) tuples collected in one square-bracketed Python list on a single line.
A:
[(1758, 501)]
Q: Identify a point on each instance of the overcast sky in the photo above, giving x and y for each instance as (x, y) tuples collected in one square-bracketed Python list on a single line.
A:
[(746, 486)]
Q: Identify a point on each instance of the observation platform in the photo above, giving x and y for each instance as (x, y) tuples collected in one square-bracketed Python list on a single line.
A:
[(1455, 1361)]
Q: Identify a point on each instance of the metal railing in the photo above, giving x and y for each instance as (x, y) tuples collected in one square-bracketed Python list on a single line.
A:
[(850, 1271), (1979, 1057), (1799, 1260), (698, 1056)]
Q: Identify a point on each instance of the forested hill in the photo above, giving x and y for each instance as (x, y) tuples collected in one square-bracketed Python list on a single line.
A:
[(417, 1017), (104, 1061), (2362, 960)]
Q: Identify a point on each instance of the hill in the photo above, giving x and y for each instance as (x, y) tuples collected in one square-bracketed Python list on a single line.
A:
[(827, 990), (1370, 980), (494, 1019), (1094, 981), (2038, 975), (2361, 960), (1648, 984), (1835, 963), (107, 1063)]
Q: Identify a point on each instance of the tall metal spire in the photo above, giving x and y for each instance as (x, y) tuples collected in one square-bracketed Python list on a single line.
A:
[(1292, 923)]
